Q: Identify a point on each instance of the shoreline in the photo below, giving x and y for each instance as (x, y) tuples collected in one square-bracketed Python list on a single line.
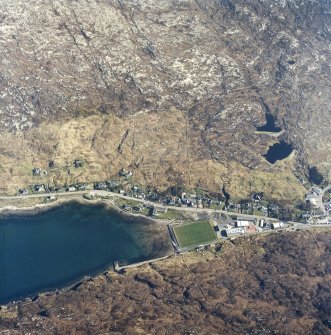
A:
[(9, 211), (39, 208)]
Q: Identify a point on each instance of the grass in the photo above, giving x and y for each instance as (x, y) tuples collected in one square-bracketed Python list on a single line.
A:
[(121, 202), (215, 206), (194, 233), (258, 212), (171, 214)]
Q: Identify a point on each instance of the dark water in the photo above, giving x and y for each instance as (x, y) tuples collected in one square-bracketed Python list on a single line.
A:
[(315, 176), (270, 125), (278, 151), (55, 248)]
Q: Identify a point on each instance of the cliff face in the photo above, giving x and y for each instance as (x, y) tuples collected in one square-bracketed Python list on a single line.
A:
[(273, 285), (164, 87)]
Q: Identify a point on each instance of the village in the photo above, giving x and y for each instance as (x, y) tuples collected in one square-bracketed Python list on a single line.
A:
[(197, 216), (312, 208)]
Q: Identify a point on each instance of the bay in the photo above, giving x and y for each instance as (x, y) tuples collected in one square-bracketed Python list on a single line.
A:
[(55, 248)]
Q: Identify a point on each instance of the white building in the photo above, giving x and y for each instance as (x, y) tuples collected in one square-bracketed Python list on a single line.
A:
[(311, 198), (262, 223), (242, 223), (235, 231), (277, 225)]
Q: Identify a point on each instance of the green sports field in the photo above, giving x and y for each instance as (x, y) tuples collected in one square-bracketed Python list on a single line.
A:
[(194, 233)]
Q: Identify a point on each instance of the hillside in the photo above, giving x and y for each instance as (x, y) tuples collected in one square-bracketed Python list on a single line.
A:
[(173, 90), (278, 284)]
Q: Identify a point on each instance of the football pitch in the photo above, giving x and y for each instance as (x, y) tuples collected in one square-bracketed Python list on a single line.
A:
[(194, 233)]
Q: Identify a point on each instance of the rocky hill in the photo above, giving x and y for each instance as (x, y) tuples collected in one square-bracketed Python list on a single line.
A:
[(279, 284), (173, 90)]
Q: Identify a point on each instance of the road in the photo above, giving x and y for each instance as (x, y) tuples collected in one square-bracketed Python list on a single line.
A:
[(118, 195), (296, 225)]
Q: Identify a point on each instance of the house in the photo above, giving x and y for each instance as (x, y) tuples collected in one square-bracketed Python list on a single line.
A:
[(311, 200), (154, 211), (234, 231), (318, 212), (78, 163), (82, 187), (257, 196), (23, 191), (39, 188), (100, 186), (36, 171), (71, 189), (125, 173), (112, 183), (157, 210), (277, 225), (240, 222), (170, 201), (316, 190), (311, 195)]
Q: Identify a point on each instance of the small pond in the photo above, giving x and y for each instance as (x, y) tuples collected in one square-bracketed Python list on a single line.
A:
[(270, 125), (278, 151)]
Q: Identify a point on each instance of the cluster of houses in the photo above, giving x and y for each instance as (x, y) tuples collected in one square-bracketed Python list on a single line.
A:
[(319, 213), (312, 195), (254, 204), (44, 188), (246, 226), (185, 200)]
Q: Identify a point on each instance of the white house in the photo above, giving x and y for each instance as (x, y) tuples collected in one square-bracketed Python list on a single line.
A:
[(277, 225), (242, 223), (71, 189)]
